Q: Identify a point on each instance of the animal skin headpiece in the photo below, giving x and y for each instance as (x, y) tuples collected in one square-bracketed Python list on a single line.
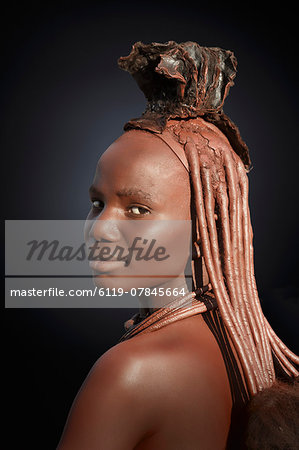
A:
[(182, 81)]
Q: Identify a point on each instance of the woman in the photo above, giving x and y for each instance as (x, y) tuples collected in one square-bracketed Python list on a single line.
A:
[(186, 368)]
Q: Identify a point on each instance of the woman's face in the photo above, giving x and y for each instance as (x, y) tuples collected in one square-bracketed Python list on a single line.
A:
[(140, 201)]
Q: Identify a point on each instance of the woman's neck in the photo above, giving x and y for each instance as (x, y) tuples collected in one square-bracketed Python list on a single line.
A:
[(162, 295)]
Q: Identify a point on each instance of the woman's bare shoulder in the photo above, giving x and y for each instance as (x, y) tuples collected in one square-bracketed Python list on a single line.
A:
[(110, 398), (134, 362), (155, 370), (182, 350), (115, 392)]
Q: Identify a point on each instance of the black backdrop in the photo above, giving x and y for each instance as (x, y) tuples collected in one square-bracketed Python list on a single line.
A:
[(61, 90)]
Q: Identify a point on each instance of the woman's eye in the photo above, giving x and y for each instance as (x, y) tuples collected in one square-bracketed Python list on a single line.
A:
[(138, 210), (97, 204)]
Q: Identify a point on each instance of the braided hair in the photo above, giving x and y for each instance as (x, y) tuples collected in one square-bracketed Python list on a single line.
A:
[(185, 86)]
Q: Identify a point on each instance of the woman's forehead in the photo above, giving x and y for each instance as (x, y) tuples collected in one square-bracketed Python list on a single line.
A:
[(142, 162), (142, 152)]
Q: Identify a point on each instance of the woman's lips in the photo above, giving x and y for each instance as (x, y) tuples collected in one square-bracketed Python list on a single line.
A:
[(106, 266)]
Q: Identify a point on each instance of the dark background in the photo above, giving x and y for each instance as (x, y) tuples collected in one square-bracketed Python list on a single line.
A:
[(65, 100)]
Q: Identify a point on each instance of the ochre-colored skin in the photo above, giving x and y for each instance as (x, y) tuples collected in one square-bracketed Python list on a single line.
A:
[(138, 161), (162, 390)]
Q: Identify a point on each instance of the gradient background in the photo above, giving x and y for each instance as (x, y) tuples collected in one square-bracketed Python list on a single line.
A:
[(66, 100)]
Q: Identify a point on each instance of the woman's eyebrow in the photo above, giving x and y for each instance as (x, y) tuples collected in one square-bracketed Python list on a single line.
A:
[(93, 190), (133, 191), (125, 192)]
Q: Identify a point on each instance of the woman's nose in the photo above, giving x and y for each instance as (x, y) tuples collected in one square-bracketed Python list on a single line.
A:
[(105, 230), (104, 227)]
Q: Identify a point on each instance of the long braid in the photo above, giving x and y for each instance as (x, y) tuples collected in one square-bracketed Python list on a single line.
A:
[(243, 313), (185, 86), (220, 183), (259, 331), (212, 258)]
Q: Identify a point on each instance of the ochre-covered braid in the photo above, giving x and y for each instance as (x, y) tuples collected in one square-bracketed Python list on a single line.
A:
[(220, 186), (185, 86)]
